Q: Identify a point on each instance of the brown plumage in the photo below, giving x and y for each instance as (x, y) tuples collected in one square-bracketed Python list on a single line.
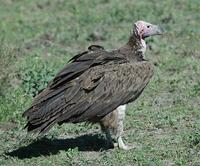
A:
[(92, 85)]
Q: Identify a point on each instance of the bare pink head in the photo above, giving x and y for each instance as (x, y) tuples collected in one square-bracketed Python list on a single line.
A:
[(144, 29)]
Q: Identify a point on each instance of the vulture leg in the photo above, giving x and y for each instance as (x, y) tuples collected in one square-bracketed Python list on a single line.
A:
[(112, 125), (106, 130)]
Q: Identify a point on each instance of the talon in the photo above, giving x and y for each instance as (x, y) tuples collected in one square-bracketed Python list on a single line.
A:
[(121, 145), (116, 144), (126, 147)]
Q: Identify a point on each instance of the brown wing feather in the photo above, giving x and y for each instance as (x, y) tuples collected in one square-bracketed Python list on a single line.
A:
[(92, 48), (118, 85), (64, 87), (88, 91), (98, 92)]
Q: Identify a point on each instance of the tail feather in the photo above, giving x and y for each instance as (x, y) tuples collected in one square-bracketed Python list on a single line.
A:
[(47, 108)]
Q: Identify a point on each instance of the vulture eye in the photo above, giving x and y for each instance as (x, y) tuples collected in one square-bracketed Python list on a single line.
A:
[(148, 26)]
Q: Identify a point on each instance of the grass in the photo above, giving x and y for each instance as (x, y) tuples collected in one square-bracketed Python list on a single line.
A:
[(37, 39)]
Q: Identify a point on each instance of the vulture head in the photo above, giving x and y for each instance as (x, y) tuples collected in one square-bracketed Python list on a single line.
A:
[(144, 29)]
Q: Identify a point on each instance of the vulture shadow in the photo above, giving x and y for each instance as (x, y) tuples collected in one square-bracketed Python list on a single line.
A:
[(46, 147)]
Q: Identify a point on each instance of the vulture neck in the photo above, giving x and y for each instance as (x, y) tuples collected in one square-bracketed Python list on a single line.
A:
[(135, 49)]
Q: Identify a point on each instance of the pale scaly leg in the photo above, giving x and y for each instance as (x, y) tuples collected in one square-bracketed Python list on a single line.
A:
[(119, 130), (112, 125)]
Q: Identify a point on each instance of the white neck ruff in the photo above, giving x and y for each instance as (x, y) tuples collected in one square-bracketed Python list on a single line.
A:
[(143, 47)]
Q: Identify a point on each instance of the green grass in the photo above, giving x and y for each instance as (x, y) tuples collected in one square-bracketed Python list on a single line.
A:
[(38, 37)]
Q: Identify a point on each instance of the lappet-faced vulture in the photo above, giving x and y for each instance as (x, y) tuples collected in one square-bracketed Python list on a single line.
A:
[(96, 86)]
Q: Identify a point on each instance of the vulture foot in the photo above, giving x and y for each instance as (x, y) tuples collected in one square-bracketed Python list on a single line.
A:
[(112, 125), (120, 143)]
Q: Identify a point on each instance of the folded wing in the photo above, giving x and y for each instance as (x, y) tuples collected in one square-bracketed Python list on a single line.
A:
[(90, 87)]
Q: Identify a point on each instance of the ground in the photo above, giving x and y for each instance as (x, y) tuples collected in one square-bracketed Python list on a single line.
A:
[(38, 38)]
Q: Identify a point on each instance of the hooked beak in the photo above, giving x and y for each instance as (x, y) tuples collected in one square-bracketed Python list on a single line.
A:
[(152, 30)]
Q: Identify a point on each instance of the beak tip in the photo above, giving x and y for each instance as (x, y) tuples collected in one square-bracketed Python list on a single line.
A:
[(160, 30)]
